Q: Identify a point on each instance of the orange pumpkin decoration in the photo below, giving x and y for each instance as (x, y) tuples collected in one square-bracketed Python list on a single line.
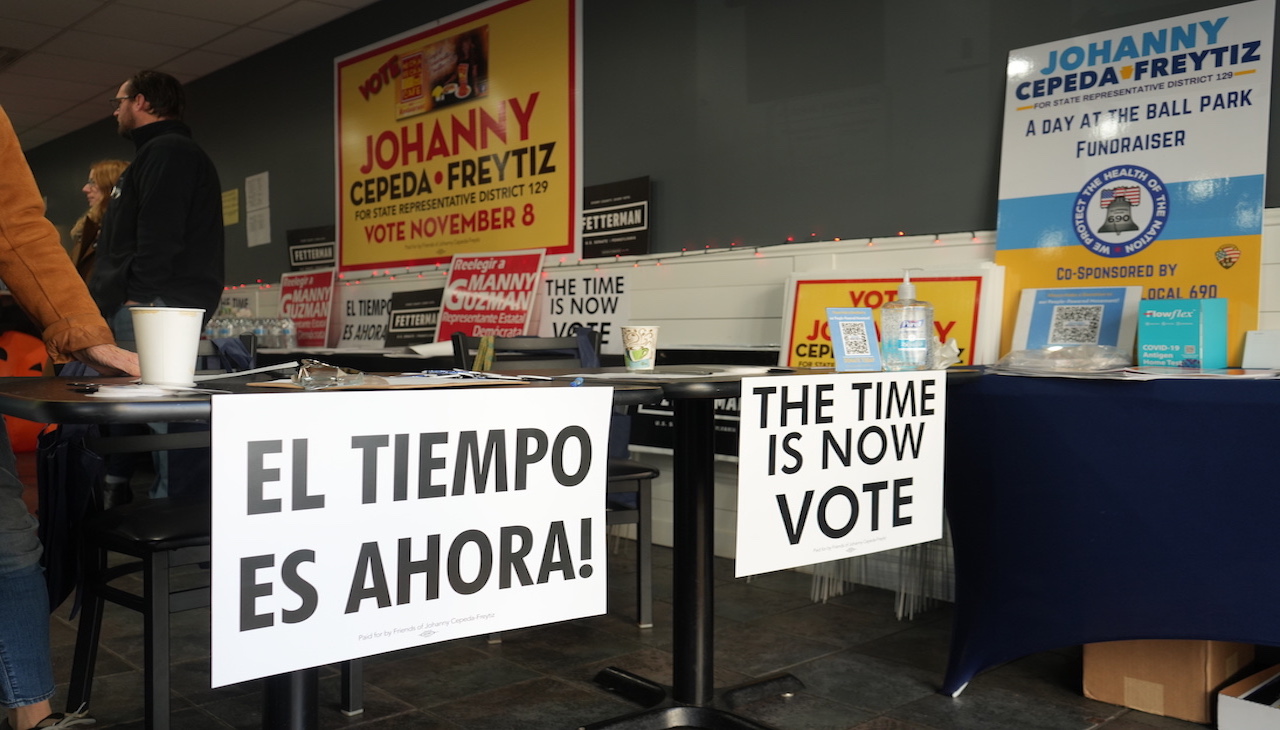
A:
[(21, 354)]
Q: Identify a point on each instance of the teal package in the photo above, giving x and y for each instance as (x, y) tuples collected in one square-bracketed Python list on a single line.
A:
[(1183, 333)]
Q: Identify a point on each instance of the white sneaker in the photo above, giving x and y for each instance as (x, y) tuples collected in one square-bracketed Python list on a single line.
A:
[(65, 719)]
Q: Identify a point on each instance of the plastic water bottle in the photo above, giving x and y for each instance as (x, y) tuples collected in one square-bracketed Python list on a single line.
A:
[(288, 334), (225, 328), (272, 338)]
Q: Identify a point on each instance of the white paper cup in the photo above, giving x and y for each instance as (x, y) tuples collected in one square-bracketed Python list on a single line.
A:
[(168, 339), (639, 346)]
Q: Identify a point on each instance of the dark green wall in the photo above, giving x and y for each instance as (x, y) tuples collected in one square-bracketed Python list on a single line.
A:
[(757, 120)]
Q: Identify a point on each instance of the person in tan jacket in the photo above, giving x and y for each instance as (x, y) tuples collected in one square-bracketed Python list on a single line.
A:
[(44, 283), (84, 234)]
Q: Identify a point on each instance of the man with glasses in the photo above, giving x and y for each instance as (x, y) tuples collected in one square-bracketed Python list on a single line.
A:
[(162, 240)]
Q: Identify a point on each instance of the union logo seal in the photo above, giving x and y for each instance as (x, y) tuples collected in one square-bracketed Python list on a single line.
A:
[(1120, 211)]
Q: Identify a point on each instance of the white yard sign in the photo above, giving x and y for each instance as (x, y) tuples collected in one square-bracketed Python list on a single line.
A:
[(347, 524), (575, 298), (833, 466)]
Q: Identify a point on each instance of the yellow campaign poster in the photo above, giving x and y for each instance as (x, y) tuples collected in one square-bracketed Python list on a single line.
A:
[(461, 137), (956, 304)]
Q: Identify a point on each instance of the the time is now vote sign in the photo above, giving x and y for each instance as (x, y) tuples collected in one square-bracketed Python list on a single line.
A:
[(838, 465)]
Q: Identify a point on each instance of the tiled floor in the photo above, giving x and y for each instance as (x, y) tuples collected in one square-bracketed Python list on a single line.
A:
[(862, 668)]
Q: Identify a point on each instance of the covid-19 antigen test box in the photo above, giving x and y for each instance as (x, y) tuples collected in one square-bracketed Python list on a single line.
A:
[(1183, 333)]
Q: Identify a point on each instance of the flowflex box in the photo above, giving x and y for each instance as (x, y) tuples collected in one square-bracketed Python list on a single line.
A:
[(1183, 333)]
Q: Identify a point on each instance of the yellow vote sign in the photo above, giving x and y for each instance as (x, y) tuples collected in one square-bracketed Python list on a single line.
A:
[(956, 304), (461, 137)]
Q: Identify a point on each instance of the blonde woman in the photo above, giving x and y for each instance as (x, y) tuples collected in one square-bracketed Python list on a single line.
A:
[(84, 234)]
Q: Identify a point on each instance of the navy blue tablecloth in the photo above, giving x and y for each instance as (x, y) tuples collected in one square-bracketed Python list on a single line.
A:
[(1100, 510)]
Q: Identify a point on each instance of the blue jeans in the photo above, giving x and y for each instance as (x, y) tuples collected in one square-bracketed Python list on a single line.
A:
[(122, 323), (26, 671)]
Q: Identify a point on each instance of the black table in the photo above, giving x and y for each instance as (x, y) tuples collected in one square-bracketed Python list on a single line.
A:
[(692, 700), (290, 700), (1100, 510)]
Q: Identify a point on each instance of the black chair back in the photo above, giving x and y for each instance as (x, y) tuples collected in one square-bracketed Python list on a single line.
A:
[(515, 353)]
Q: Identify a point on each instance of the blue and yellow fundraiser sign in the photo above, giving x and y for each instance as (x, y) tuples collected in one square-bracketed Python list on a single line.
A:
[(461, 137), (1137, 157)]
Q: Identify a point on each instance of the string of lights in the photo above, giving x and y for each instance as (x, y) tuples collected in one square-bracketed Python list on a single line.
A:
[(355, 278)]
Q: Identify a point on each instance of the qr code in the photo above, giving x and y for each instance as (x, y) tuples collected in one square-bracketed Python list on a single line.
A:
[(1076, 324), (854, 337)]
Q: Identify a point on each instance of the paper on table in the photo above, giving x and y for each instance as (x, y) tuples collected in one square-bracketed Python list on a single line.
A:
[(266, 369), (139, 390)]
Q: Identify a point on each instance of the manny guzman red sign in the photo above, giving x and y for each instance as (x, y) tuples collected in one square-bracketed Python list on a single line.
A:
[(490, 295)]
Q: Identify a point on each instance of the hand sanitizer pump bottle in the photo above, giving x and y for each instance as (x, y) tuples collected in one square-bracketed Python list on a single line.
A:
[(906, 329)]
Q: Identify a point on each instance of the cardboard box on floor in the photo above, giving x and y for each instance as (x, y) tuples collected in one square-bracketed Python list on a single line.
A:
[(1174, 678), (1250, 704)]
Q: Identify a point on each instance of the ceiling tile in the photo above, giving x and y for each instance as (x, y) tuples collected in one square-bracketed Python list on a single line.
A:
[(11, 83), (246, 41), (24, 35), (60, 13), (91, 47), (21, 103), (235, 12), (37, 136), (301, 16), (183, 77), (22, 120), (197, 63), (76, 117), (50, 66), (141, 24), (78, 52), (94, 110)]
